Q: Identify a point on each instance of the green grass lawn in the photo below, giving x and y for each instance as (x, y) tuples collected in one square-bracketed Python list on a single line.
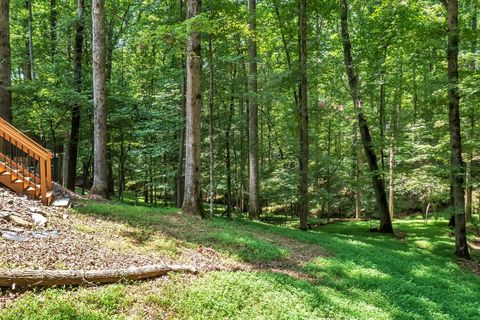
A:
[(344, 272)]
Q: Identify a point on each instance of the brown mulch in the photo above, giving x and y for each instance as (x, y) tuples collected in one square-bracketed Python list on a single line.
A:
[(72, 248)]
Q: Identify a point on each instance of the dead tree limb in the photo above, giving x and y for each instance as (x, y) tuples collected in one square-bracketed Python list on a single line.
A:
[(48, 278)]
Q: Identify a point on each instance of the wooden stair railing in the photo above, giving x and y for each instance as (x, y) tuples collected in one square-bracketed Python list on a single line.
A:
[(25, 166)]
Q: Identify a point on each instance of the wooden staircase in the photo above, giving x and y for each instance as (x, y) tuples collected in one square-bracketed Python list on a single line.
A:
[(25, 166)]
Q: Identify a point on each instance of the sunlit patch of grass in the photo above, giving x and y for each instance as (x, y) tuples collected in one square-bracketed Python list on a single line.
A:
[(247, 247), (52, 304), (423, 244)]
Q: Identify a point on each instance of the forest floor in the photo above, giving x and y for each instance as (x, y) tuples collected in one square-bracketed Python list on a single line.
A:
[(249, 270)]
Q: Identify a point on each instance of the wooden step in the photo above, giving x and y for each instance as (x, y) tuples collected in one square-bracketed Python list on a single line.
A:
[(16, 171)]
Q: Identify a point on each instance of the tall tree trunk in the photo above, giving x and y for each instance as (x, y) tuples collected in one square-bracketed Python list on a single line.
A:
[(75, 122), (111, 180), (30, 39), (377, 179), (150, 173), (383, 102), (121, 168), (415, 93), (53, 28), (243, 115), (254, 208), (469, 182), (5, 62), (468, 175), (65, 164), (211, 93), (358, 187), (326, 201), (180, 177), (192, 202), (100, 171), (395, 123), (303, 117), (228, 162), (457, 166)]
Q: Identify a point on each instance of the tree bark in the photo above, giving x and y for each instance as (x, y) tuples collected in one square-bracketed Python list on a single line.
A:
[(192, 202), (303, 117), (254, 208), (377, 179), (75, 121), (100, 172), (5, 62), (47, 278), (457, 166)]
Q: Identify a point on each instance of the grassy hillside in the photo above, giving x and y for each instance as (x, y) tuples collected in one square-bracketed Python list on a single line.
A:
[(340, 271)]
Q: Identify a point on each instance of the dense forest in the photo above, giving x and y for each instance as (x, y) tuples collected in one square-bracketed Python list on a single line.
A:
[(306, 109)]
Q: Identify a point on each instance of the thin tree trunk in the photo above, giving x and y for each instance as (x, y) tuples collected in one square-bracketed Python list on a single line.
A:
[(5, 62), (75, 122), (254, 188), (150, 174), (395, 121), (377, 179), (469, 188), (111, 180), (180, 177), (391, 162), (426, 213), (457, 166), (145, 188), (53, 28), (415, 93), (211, 95), (192, 203), (358, 188), (65, 164), (242, 165), (228, 162), (30, 39), (100, 172), (303, 117), (383, 102), (326, 202), (121, 169)]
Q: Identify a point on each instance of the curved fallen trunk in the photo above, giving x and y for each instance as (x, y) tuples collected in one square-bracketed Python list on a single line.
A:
[(47, 278)]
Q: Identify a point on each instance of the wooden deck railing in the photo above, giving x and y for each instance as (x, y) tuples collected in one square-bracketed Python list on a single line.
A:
[(26, 162)]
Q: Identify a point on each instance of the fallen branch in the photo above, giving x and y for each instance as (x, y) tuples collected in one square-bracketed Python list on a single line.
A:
[(47, 278)]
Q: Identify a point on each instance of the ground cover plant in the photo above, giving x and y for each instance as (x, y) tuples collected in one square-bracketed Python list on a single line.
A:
[(337, 271)]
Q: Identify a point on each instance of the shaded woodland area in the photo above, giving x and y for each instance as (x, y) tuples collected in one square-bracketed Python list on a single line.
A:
[(304, 109)]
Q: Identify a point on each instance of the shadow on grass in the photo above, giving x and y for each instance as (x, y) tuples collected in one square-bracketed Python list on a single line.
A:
[(367, 275)]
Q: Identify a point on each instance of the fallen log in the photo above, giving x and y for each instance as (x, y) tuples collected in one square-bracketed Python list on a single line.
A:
[(48, 278)]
